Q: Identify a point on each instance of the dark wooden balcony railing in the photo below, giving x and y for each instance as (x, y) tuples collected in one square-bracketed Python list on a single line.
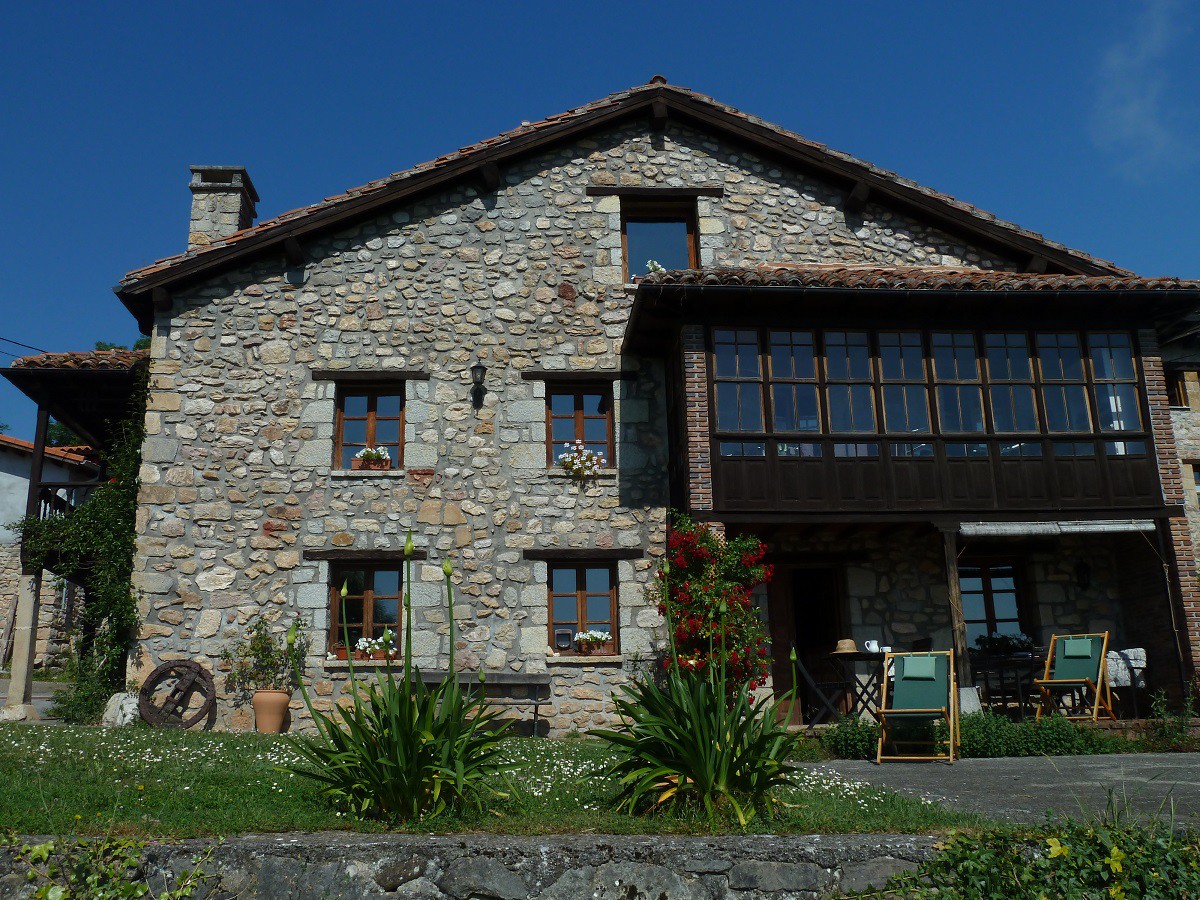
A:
[(936, 476), (61, 498)]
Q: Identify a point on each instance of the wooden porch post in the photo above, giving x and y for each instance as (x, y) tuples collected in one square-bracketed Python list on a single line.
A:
[(958, 626), (20, 688)]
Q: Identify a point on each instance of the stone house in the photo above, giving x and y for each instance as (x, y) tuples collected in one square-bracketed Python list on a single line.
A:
[(66, 466), (943, 424)]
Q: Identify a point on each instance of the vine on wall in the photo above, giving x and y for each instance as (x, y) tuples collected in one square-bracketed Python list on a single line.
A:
[(94, 546)]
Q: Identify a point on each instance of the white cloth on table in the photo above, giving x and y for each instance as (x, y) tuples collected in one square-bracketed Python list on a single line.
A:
[(1127, 668)]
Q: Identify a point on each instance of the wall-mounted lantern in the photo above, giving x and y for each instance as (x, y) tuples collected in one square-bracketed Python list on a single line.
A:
[(478, 371)]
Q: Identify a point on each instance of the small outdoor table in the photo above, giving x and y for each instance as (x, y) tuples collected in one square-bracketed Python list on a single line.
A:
[(863, 690), (1006, 680)]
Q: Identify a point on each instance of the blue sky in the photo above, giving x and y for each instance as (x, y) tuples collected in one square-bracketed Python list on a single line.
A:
[(1077, 119)]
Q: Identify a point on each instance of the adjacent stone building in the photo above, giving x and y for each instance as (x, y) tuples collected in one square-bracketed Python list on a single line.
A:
[(821, 364)]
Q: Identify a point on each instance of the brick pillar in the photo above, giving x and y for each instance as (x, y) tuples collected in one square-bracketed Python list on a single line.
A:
[(696, 421), (1179, 547)]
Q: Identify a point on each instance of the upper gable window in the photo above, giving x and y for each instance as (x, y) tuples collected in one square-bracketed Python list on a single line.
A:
[(369, 417), (660, 230)]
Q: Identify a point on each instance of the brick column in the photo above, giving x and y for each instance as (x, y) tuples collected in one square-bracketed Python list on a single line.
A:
[(696, 420), (1170, 472)]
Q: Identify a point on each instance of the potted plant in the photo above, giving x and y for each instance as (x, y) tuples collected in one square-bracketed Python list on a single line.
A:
[(264, 666), (580, 462), (339, 651), (589, 642), (372, 458), (382, 647)]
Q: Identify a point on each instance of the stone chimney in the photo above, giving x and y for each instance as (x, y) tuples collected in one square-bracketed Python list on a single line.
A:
[(223, 199)]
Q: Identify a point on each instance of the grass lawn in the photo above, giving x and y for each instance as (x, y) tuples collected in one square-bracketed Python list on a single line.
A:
[(164, 783)]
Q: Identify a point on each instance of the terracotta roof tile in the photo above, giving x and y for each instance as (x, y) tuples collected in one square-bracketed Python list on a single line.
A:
[(83, 359), (557, 120), (77, 455), (914, 278)]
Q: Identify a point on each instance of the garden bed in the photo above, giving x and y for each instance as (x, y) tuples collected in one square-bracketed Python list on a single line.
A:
[(161, 783)]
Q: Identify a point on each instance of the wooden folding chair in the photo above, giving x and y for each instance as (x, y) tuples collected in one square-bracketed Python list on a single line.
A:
[(1075, 665), (923, 693)]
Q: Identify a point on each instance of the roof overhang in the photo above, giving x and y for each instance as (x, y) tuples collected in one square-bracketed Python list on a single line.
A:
[(658, 103), (658, 310), (88, 401), (1053, 529)]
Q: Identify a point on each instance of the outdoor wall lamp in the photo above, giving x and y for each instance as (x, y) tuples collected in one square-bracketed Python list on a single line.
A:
[(1083, 575), (478, 371)]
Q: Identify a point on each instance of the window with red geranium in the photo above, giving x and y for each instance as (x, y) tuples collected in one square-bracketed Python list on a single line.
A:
[(701, 569)]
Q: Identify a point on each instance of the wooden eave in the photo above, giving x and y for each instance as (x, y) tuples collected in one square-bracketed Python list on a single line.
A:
[(88, 401), (860, 179)]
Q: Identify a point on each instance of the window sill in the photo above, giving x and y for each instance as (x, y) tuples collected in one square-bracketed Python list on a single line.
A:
[(554, 659), (608, 474), (367, 473)]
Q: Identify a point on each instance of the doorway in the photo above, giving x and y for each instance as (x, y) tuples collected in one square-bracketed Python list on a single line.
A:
[(809, 616)]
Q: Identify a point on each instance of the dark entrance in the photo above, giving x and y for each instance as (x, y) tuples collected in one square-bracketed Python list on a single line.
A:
[(809, 615)]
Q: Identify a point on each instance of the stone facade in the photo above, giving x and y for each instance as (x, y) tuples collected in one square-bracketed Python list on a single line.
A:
[(238, 490)]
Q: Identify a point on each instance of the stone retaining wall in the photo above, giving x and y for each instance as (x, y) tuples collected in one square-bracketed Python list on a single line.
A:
[(500, 867)]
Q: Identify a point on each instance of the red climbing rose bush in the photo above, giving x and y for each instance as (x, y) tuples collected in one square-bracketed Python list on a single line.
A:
[(700, 571)]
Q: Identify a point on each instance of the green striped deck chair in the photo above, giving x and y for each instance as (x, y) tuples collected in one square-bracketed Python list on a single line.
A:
[(1076, 667), (922, 694)]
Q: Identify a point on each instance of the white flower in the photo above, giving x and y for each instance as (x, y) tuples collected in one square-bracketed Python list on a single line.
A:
[(375, 453), (653, 265)]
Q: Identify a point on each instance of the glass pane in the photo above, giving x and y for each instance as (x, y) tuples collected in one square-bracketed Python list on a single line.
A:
[(975, 630), (599, 609), (354, 405), (352, 610), (851, 407), (664, 242), (354, 431), (387, 431), (595, 405), (1066, 407), (747, 354), (1011, 627), (795, 407), (904, 408), (348, 456), (848, 354), (386, 611), (1117, 407), (353, 581), (562, 430), (792, 354), (595, 430), (908, 451), (1125, 448), (749, 407), (973, 607), (1013, 408), (1060, 357), (387, 405), (789, 449), (960, 408), (954, 357), (601, 449), (562, 404), (1112, 355), (1008, 357), (387, 582), (1021, 448), (856, 451), (566, 611), (900, 355), (970, 583), (597, 580), (725, 354), (562, 581), (743, 448), (1005, 604), (965, 451), (1074, 448)]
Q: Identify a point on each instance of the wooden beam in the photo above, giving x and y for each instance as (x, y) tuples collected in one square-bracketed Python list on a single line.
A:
[(160, 299), (293, 251), (354, 555), (652, 193), (585, 554), (371, 375), (489, 177), (658, 116), (958, 625), (858, 197)]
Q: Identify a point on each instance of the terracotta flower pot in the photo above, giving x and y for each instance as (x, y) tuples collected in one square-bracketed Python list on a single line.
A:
[(340, 652), (370, 465), (270, 710)]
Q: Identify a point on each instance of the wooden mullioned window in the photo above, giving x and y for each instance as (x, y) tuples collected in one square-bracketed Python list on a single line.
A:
[(580, 413), (369, 417), (582, 597), (659, 230), (372, 602), (992, 600)]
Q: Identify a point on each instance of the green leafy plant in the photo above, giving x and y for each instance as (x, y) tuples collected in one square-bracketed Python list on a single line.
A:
[(850, 738), (401, 750), (1169, 728), (698, 738), (108, 868), (94, 546), (985, 734), (261, 661)]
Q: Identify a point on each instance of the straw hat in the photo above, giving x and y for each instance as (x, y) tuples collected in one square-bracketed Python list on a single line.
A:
[(846, 645)]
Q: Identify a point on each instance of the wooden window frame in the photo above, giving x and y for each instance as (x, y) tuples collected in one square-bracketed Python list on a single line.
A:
[(771, 378), (373, 391), (637, 209), (905, 381), (870, 382), (1177, 392), (996, 379), (1025, 609), (1095, 383), (337, 578), (577, 389), (611, 648)]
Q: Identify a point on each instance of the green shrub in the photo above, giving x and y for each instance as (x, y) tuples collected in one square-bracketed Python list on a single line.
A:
[(851, 738), (402, 750), (108, 868), (259, 661), (1167, 729), (984, 734), (1105, 858)]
